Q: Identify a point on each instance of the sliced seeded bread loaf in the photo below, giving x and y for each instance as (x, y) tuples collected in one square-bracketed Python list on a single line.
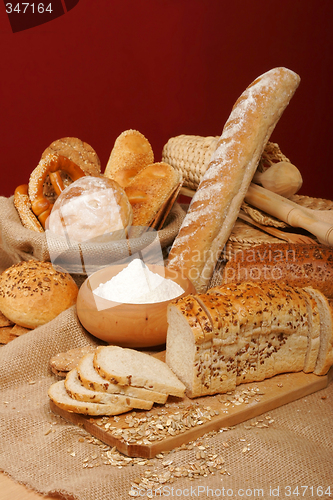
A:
[(246, 332), (128, 367)]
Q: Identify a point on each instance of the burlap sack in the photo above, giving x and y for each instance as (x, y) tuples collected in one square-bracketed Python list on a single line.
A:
[(289, 447), (286, 453)]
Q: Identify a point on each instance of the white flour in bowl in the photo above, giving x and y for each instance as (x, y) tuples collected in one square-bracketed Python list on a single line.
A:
[(136, 284)]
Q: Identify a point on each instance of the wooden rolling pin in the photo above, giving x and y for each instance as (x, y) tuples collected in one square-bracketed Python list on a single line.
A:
[(289, 212)]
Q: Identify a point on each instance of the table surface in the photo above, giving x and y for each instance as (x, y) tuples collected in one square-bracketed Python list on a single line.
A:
[(10, 490)]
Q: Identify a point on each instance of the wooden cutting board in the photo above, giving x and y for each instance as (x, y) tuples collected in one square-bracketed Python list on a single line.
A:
[(224, 410)]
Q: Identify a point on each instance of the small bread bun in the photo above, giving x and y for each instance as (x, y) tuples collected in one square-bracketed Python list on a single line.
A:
[(91, 208), (130, 154), (33, 293)]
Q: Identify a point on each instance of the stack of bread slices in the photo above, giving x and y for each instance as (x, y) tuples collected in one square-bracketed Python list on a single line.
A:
[(246, 332), (112, 380)]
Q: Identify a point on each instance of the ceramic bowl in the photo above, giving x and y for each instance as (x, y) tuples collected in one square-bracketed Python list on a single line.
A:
[(126, 325)]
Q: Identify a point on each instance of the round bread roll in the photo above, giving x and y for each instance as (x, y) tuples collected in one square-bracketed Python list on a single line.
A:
[(91, 208), (33, 293)]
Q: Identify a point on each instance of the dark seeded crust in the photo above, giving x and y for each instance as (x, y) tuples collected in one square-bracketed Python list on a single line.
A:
[(296, 265)]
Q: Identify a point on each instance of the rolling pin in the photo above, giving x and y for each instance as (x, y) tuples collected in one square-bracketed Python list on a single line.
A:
[(289, 212)]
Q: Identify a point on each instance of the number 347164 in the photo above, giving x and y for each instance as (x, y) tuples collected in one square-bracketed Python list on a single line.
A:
[(23, 8)]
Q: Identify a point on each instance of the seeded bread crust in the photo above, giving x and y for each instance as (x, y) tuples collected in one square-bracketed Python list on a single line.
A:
[(297, 265)]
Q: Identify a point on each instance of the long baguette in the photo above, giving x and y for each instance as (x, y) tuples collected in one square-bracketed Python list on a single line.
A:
[(215, 206)]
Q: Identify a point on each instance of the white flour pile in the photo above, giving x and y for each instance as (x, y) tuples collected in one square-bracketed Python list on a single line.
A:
[(136, 284)]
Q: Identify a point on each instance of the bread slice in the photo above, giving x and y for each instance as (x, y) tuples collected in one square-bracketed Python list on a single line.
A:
[(325, 355), (191, 345), (90, 379), (129, 367), (77, 391), (63, 362), (313, 333), (58, 394)]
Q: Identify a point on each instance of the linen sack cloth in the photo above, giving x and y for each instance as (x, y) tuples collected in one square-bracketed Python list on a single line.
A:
[(49, 455)]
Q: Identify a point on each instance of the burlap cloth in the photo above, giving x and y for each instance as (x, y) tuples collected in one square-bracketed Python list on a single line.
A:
[(293, 449)]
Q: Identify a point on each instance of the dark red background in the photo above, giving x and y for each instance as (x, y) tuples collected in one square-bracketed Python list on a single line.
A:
[(164, 67)]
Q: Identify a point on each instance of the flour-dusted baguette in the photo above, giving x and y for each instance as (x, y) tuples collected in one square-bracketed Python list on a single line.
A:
[(215, 206), (77, 391), (298, 265), (92, 380), (130, 367), (58, 394), (256, 331)]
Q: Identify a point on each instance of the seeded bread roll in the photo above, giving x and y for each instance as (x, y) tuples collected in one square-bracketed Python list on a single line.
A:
[(242, 333), (33, 293), (216, 204), (298, 265)]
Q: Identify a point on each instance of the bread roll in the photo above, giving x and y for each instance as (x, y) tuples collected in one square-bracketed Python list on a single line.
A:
[(297, 265), (79, 152), (33, 293), (215, 206), (130, 154), (91, 208), (241, 333), (150, 189)]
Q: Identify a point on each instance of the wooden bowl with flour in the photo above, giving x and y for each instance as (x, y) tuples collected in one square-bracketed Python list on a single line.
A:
[(121, 306)]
